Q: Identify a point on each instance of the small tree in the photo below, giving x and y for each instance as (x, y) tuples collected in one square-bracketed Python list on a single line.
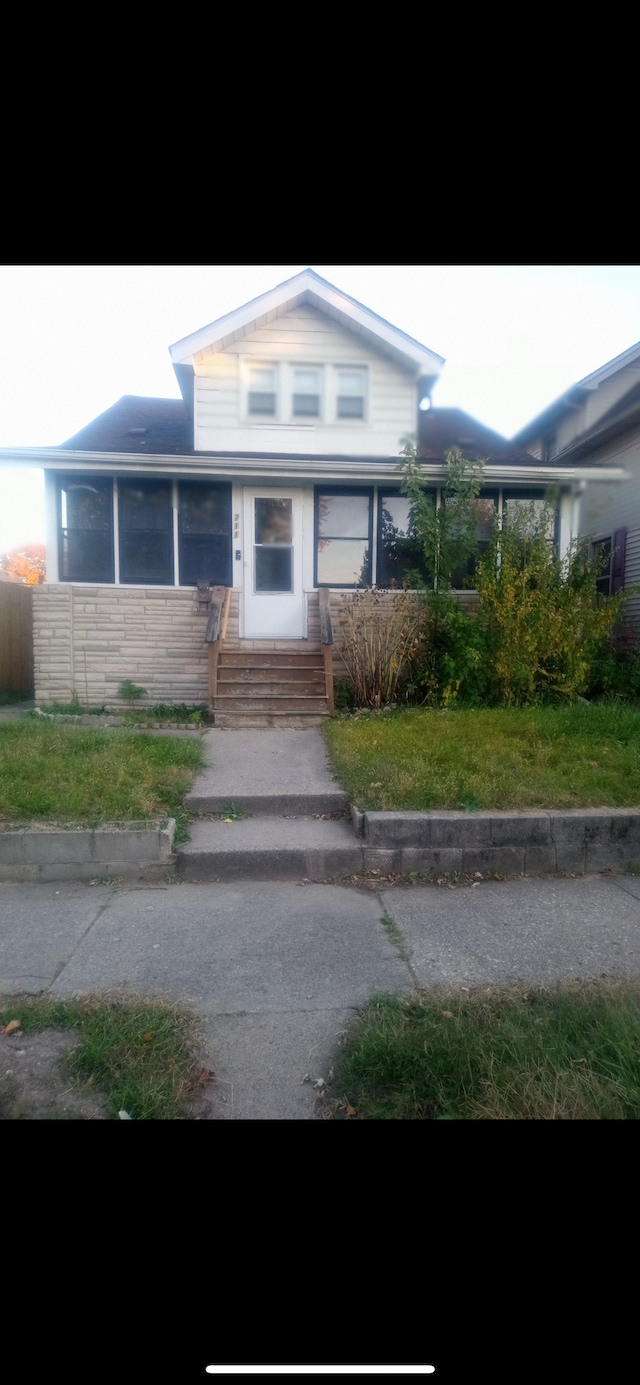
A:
[(26, 564), (446, 533), (446, 661)]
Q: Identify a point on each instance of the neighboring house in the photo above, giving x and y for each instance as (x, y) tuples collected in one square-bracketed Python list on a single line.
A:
[(596, 424), (274, 478)]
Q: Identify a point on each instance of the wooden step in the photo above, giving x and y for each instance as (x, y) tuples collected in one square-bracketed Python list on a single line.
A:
[(243, 718), (264, 674), (267, 659), (250, 690), (274, 703)]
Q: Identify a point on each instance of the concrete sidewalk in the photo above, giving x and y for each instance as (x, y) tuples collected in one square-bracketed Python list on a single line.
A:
[(276, 971)]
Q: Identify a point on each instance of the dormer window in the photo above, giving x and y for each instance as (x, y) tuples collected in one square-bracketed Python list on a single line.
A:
[(303, 395), (350, 394), (306, 394), (262, 391)]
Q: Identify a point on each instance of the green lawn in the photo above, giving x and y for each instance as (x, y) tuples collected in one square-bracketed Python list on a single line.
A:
[(572, 1053), (569, 757), (55, 773)]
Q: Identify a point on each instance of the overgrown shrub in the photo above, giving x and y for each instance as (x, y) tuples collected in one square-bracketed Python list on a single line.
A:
[(614, 675), (541, 632), (446, 662), (542, 618), (379, 632)]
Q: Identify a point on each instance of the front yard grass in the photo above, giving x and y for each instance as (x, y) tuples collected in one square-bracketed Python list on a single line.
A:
[(510, 1053), (63, 774), (139, 1054), (542, 757)]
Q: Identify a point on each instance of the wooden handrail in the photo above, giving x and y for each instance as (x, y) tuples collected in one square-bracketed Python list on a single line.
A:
[(326, 628), (225, 616), (326, 640), (214, 622), (216, 632)]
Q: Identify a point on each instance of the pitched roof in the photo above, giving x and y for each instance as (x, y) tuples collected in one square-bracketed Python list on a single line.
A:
[(308, 287), (441, 429), (158, 427), (576, 395), (622, 416)]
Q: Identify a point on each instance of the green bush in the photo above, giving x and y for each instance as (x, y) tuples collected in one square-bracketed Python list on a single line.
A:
[(615, 672), (541, 631), (542, 618), (447, 661)]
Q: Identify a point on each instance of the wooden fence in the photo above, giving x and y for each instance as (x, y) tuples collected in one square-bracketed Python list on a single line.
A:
[(16, 637)]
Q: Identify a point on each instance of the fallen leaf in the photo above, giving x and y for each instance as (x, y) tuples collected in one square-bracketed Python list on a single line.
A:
[(11, 1027), (205, 1076), (350, 1111), (228, 819), (448, 1014), (319, 1083), (148, 1038), (594, 764)]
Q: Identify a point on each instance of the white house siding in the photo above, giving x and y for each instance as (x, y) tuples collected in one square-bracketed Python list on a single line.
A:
[(303, 336)]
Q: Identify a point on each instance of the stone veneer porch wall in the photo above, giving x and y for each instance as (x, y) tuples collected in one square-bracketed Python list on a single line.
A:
[(88, 640)]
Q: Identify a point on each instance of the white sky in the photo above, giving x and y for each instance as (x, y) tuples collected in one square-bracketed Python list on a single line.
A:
[(73, 339)]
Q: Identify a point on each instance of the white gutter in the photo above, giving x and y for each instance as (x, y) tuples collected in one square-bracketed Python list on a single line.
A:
[(59, 459)]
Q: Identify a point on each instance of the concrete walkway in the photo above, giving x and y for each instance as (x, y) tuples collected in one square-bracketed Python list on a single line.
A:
[(266, 772), (15, 710), (277, 971)]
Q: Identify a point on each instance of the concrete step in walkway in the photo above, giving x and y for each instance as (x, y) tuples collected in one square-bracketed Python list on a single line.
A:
[(282, 779), (266, 772), (269, 848)]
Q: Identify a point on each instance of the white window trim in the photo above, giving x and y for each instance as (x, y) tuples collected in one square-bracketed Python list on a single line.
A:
[(332, 402), (302, 420), (247, 364), (284, 417)]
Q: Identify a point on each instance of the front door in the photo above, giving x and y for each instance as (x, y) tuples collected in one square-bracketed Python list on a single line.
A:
[(273, 595)]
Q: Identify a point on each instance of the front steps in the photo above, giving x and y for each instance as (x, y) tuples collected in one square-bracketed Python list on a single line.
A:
[(272, 688)]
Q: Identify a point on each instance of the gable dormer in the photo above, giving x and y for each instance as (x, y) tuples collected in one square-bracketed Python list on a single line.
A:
[(303, 369)]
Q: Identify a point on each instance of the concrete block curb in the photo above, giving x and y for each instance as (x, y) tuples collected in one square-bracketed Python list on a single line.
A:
[(578, 841), (139, 850)]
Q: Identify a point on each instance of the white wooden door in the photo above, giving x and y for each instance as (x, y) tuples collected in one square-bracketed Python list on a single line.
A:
[(273, 591)]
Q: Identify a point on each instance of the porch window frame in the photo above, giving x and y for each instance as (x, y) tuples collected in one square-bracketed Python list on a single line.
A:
[(359, 491)]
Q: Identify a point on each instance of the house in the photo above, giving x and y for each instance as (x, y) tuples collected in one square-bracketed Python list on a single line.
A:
[(596, 424), (204, 543)]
